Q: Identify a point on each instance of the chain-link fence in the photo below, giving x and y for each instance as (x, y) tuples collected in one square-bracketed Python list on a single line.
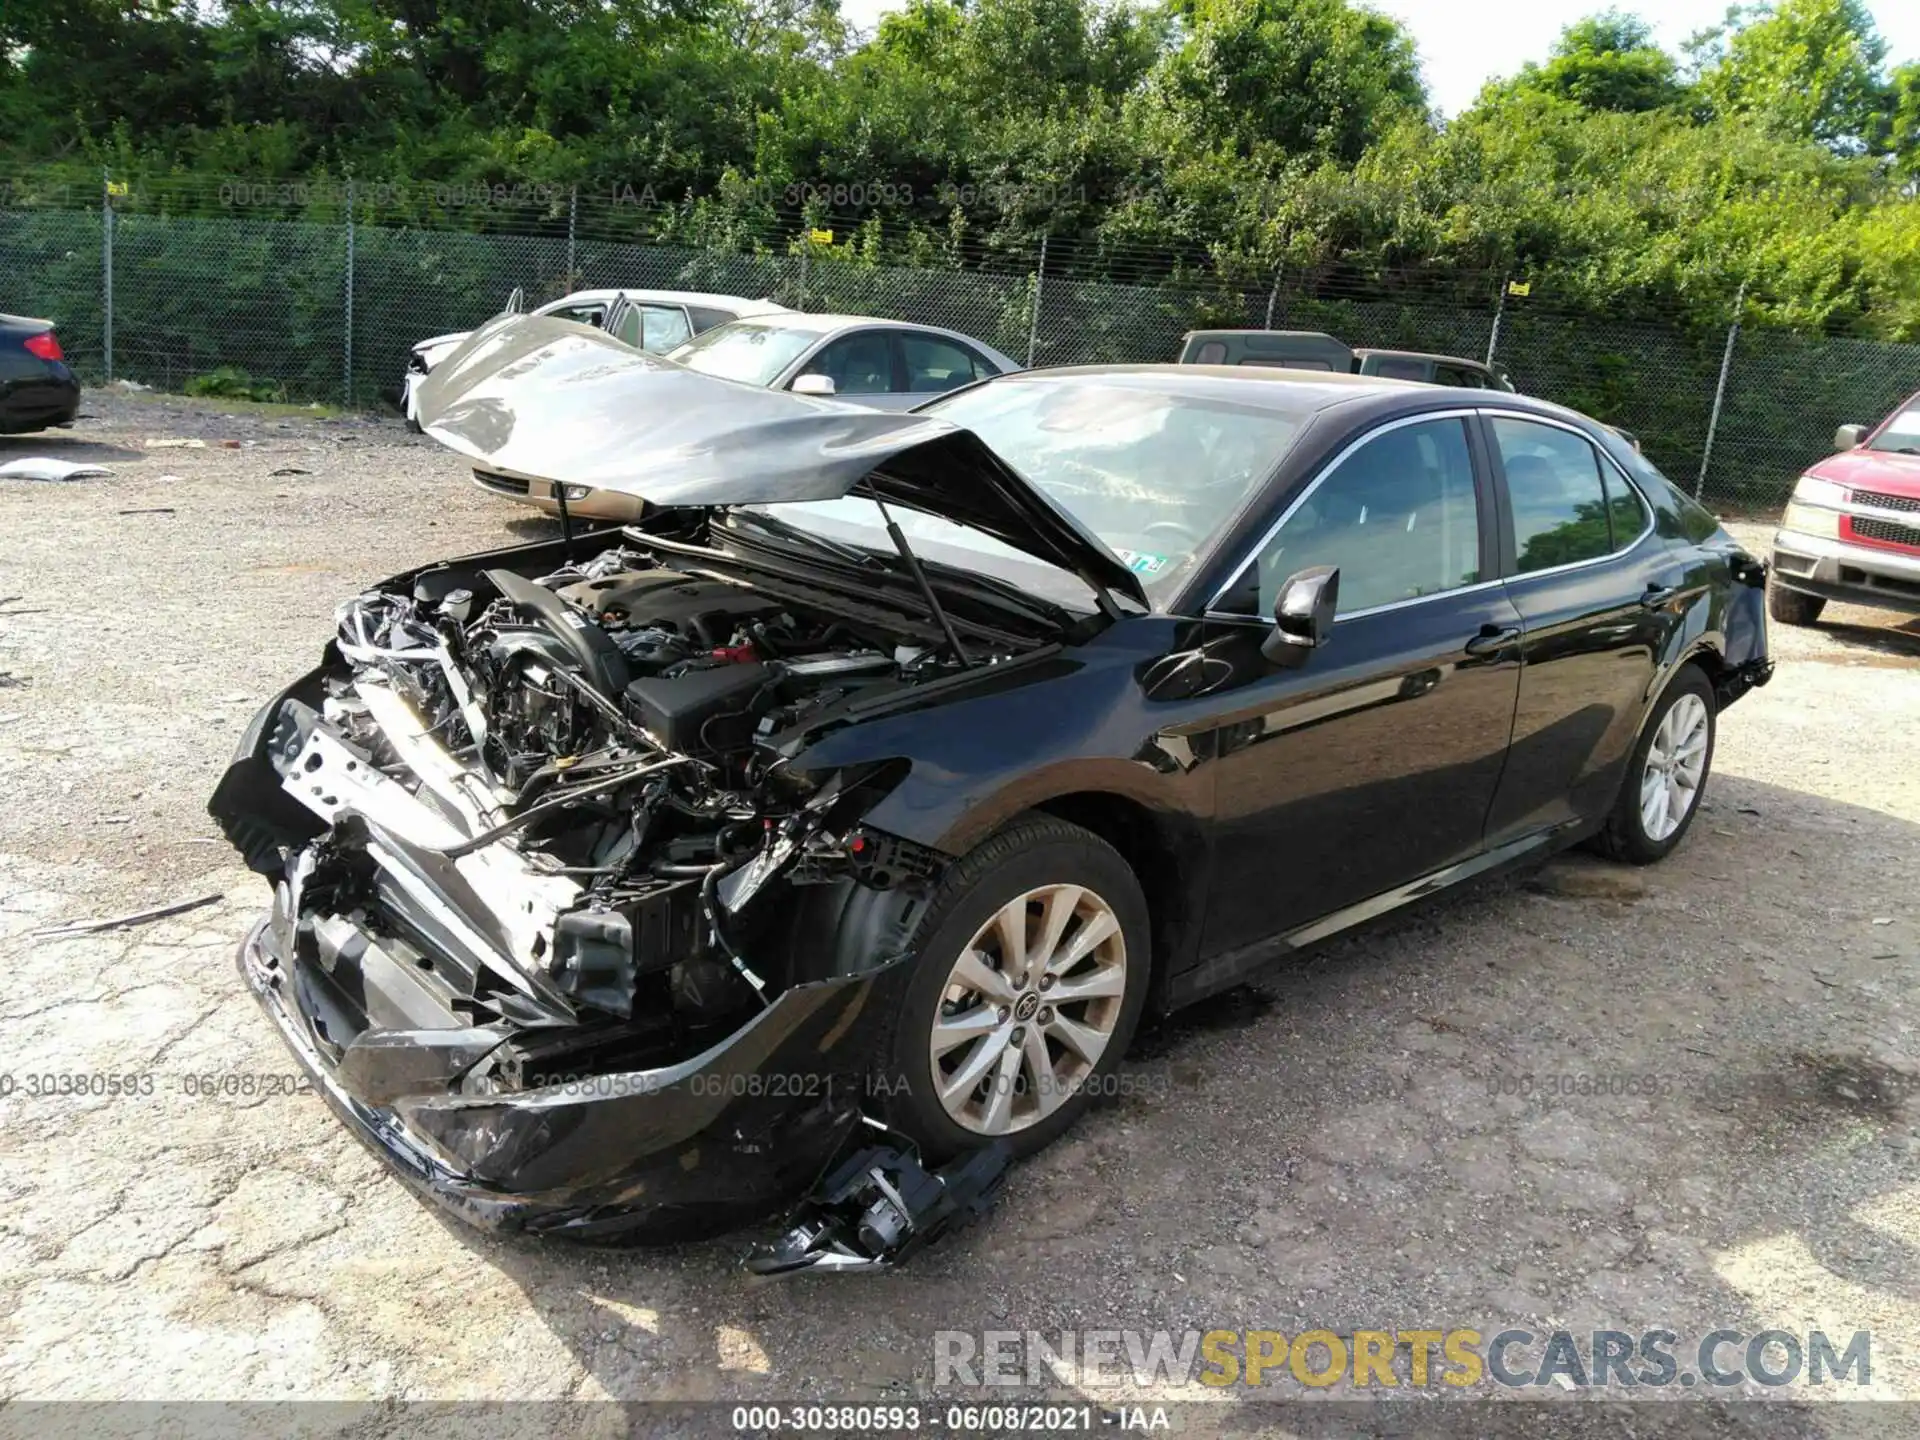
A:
[(323, 303)]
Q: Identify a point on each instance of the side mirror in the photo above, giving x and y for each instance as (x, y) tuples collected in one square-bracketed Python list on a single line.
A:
[(1303, 615), (1848, 437), (812, 384)]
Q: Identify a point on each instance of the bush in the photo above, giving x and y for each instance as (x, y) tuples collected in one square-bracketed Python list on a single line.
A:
[(230, 382)]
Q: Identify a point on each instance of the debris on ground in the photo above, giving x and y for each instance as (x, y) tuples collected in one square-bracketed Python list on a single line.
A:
[(42, 467), (139, 917), (172, 442), (880, 1206)]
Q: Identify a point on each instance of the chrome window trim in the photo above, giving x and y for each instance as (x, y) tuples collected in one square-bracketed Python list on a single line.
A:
[(1646, 508), (1254, 552), (1371, 609), (1647, 512)]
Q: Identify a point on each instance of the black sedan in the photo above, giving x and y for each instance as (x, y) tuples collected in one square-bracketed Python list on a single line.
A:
[(36, 387), (869, 789)]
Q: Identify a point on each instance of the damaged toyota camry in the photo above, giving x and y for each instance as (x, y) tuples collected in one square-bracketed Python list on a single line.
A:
[(846, 812)]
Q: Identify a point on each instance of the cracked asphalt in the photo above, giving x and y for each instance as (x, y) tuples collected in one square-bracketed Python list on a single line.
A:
[(1376, 1137)]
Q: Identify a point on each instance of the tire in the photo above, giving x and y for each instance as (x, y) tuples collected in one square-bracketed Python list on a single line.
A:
[(1046, 861), (1631, 833), (1793, 607)]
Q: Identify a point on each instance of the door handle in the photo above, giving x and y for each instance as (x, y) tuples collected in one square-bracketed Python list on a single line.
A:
[(1491, 639), (1657, 595)]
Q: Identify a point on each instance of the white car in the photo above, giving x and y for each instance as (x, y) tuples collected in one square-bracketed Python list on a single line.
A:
[(655, 320)]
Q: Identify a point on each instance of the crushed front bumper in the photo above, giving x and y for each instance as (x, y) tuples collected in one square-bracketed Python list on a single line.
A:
[(680, 1152), (1851, 573)]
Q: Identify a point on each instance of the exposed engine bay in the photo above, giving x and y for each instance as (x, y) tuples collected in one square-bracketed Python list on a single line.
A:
[(558, 806)]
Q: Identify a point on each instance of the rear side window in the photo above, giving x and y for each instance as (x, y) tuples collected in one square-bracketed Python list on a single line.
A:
[(1214, 352), (594, 315), (935, 366), (1459, 375), (663, 327), (1394, 367), (1566, 506), (706, 319)]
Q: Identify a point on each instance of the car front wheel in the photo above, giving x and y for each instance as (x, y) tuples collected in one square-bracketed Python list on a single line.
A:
[(1666, 775), (1793, 607), (1029, 975)]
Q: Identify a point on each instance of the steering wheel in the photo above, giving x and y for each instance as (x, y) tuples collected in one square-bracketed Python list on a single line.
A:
[(1188, 538)]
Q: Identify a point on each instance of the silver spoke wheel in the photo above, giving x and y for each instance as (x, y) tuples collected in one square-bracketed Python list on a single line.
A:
[(1029, 1007), (1675, 767)]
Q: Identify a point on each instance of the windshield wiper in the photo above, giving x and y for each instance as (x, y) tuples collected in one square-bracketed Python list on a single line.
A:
[(851, 554)]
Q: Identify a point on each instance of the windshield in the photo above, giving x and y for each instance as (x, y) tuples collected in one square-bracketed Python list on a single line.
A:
[(752, 351), (1153, 474), (1901, 434)]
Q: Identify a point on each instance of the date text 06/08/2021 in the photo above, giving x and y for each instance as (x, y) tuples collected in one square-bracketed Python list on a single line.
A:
[(963, 1419)]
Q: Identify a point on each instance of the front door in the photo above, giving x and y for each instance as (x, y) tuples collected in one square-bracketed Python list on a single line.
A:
[(1373, 762)]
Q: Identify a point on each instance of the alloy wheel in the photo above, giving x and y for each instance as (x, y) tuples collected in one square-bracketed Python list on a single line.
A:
[(1029, 1008), (1676, 764)]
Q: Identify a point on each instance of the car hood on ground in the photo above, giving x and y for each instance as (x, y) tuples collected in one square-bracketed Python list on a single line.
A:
[(568, 404), (1887, 471)]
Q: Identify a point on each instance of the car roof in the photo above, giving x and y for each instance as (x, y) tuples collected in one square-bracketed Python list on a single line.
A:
[(1424, 355), (828, 323), (671, 297), (1273, 387), (1259, 385)]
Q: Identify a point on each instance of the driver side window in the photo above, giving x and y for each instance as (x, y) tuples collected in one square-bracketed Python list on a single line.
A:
[(1399, 516), (859, 364)]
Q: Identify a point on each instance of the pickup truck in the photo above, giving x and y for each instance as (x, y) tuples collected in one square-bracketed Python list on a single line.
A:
[(1851, 531)]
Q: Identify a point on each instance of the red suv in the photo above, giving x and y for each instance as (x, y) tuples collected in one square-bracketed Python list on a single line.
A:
[(1852, 528)]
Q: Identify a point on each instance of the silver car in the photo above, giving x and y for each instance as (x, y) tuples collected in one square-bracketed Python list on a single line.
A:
[(885, 364), (654, 320)]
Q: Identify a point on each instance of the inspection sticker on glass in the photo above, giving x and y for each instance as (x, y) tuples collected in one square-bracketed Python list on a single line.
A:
[(1142, 563)]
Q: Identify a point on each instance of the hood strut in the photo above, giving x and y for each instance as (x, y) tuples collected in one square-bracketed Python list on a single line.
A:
[(919, 577)]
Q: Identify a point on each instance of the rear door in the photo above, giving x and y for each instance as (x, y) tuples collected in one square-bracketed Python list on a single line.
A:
[(932, 365), (1372, 763), (1598, 593)]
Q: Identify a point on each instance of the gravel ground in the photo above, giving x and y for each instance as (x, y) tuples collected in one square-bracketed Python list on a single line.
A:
[(1329, 1148)]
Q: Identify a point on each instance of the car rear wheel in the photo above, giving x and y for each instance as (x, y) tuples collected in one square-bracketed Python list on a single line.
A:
[(1793, 607), (1666, 775), (1029, 975)]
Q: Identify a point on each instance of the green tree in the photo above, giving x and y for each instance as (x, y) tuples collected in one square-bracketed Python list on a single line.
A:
[(1805, 69), (1606, 62), (1317, 77)]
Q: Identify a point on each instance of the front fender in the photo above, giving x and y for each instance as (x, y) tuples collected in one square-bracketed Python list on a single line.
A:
[(974, 762)]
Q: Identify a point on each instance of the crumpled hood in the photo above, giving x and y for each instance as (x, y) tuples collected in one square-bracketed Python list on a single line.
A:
[(565, 403)]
